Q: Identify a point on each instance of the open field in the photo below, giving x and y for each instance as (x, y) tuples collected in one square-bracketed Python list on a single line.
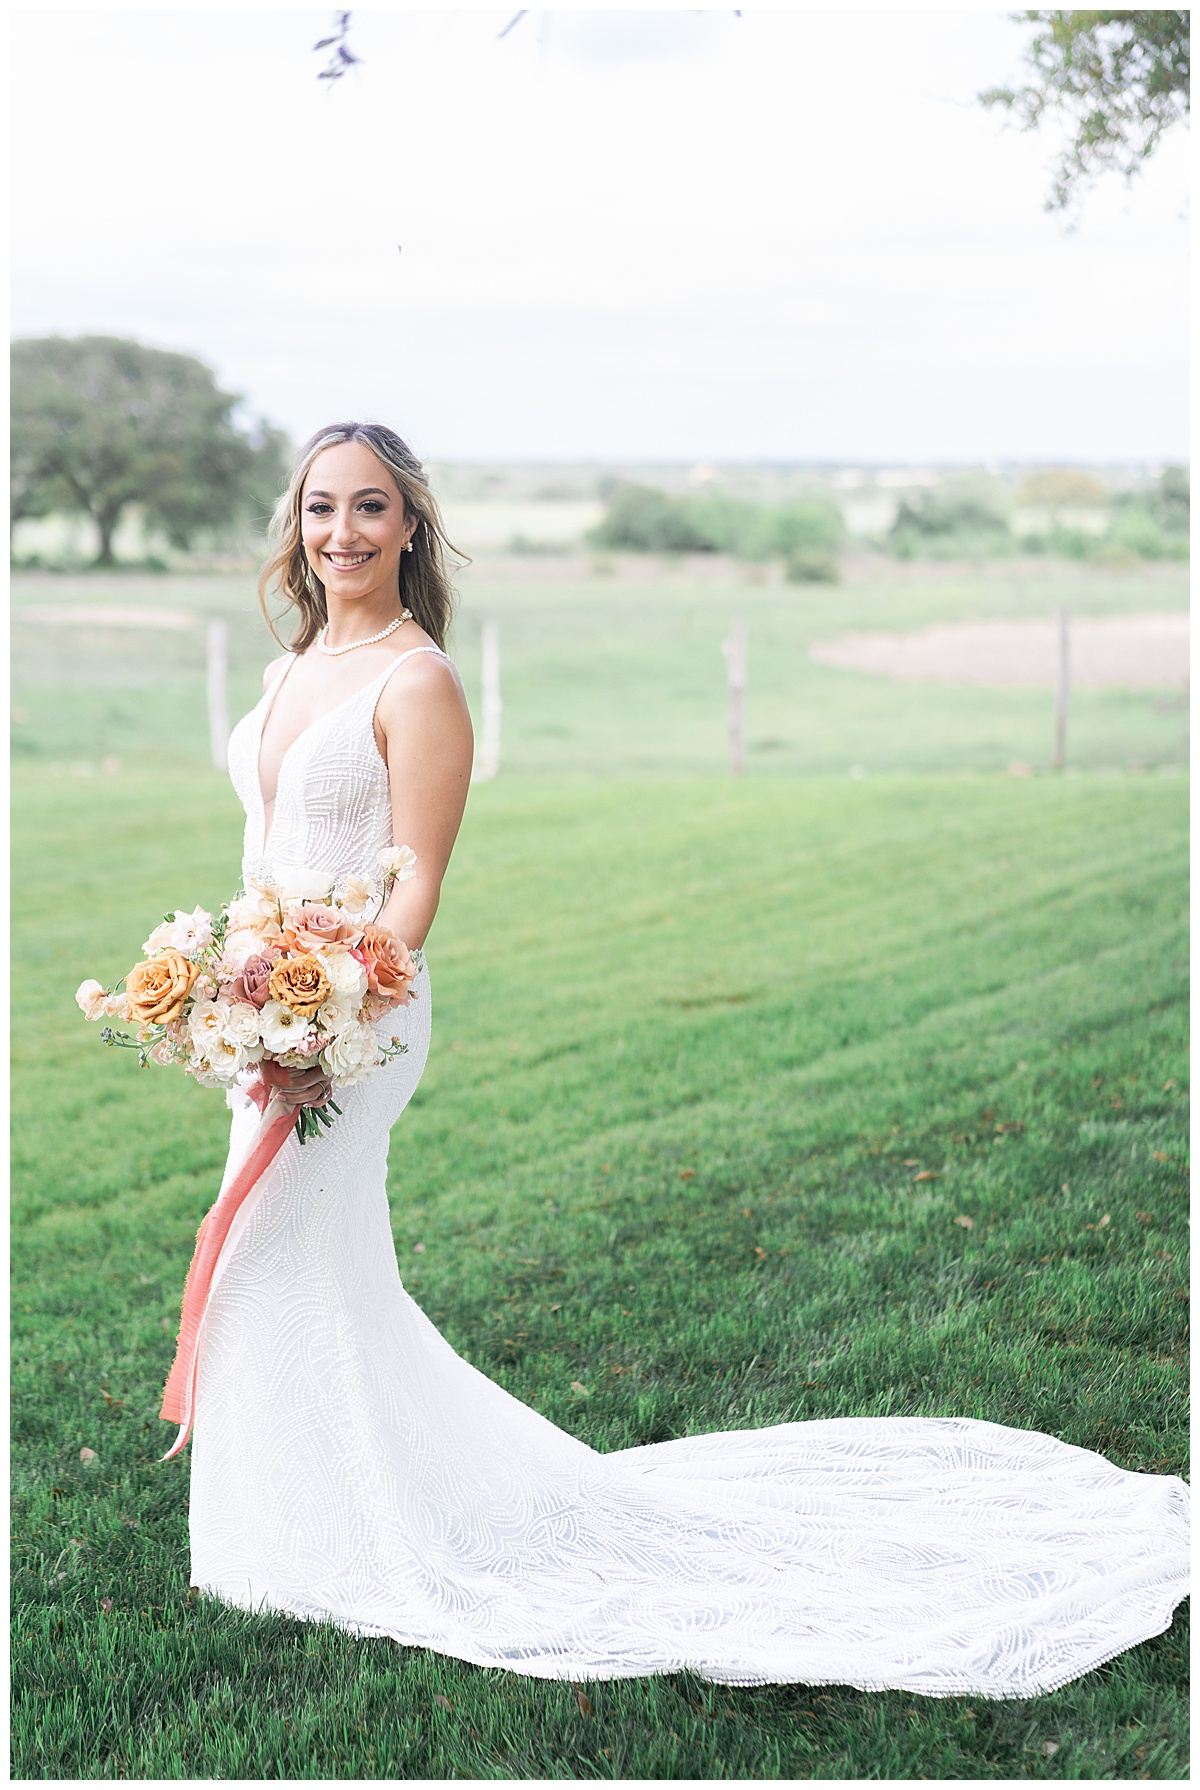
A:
[(620, 671), (697, 1046)]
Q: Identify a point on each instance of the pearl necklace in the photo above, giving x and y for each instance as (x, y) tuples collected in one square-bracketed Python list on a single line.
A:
[(335, 652)]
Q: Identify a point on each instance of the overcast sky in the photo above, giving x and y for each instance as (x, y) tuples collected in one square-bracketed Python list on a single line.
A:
[(790, 235)]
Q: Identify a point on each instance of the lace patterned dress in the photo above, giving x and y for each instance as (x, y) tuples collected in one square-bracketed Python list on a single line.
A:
[(348, 1466)]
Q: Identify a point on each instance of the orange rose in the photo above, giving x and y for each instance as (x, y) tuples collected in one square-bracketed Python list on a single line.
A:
[(300, 983), (390, 969), (157, 989)]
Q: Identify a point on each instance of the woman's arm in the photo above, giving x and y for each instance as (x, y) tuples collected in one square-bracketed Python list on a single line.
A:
[(423, 728)]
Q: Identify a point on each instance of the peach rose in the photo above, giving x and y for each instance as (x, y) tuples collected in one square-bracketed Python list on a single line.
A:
[(390, 969), (299, 983), (315, 924), (156, 990)]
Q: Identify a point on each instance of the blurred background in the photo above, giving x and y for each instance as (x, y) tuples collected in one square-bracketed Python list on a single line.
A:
[(773, 378)]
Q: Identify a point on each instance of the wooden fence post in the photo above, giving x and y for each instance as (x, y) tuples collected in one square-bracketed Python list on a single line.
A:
[(734, 650), (489, 745), (1062, 699), (218, 699)]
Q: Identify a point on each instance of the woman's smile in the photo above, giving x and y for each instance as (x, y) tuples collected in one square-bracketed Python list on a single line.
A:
[(347, 561)]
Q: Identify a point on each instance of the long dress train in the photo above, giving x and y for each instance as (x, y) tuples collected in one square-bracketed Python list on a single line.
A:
[(349, 1466)]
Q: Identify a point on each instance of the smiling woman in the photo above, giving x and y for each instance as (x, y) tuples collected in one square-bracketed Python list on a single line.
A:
[(358, 551), (359, 548), (350, 1467)]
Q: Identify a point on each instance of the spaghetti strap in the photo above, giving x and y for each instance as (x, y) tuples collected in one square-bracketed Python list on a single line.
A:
[(381, 681), (410, 654)]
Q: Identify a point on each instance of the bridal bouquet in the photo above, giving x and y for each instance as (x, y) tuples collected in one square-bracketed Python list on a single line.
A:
[(287, 983), (289, 976)]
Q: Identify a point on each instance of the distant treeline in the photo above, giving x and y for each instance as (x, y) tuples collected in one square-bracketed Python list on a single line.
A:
[(965, 516), (804, 535), (972, 517)]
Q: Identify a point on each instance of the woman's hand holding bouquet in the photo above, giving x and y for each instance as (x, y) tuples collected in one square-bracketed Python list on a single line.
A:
[(282, 990), (286, 986)]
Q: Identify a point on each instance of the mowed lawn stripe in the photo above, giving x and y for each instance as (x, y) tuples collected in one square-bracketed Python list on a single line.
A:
[(719, 1070)]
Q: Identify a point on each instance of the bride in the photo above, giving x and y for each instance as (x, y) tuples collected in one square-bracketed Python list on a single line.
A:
[(348, 1466)]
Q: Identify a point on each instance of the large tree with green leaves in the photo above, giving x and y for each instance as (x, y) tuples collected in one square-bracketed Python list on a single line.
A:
[(100, 423), (1119, 79)]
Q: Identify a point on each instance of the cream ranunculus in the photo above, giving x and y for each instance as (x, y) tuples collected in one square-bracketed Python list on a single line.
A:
[(91, 999), (347, 976), (351, 1055), (207, 1020), (208, 1077), (282, 1028), (227, 1058)]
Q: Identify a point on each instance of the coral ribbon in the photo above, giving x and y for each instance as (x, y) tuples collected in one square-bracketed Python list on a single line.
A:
[(180, 1390)]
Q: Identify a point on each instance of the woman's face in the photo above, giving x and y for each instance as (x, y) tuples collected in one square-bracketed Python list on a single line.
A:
[(353, 522)]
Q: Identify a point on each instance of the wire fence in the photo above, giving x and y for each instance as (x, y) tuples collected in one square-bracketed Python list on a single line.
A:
[(616, 677)]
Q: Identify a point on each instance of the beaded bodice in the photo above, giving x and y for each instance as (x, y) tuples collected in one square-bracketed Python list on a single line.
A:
[(332, 801)]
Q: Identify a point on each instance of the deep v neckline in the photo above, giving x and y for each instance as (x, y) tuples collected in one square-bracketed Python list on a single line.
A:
[(269, 698)]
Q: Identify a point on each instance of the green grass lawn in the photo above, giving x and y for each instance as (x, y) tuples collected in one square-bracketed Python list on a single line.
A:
[(748, 1102)]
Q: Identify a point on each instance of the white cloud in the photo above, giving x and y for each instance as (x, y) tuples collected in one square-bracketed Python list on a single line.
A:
[(792, 234)]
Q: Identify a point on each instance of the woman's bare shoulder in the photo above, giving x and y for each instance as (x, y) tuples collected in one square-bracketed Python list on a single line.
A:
[(275, 670), (426, 691), (426, 672)]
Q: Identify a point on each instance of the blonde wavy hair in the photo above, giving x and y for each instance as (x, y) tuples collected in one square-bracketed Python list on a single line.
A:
[(424, 583)]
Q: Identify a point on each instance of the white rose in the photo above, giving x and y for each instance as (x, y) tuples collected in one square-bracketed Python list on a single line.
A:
[(398, 861), (206, 1074), (241, 1025), (296, 884), (351, 1055), (334, 1016), (92, 999), (227, 1058), (239, 945), (347, 977), (207, 1020), (281, 1028)]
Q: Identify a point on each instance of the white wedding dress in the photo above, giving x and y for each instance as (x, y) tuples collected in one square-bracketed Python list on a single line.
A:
[(348, 1466)]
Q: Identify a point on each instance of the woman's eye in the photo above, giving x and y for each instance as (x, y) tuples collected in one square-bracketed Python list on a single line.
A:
[(371, 506), (318, 509)]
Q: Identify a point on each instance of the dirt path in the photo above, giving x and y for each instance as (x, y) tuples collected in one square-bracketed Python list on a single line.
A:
[(110, 615), (1136, 652)]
